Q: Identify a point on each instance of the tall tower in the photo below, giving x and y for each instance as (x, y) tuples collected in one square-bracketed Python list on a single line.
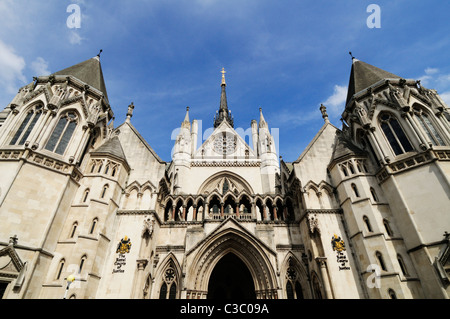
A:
[(51, 125), (399, 201)]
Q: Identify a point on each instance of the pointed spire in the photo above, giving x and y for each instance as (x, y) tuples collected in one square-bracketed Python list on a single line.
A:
[(223, 113), (89, 71), (262, 121), (363, 75), (186, 123)]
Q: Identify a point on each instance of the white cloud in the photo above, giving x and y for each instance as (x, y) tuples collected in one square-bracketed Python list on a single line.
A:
[(12, 66), (75, 38), (445, 97), (40, 67), (429, 71), (336, 102)]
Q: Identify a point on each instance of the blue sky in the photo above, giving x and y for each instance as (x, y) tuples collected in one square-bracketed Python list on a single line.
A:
[(286, 56)]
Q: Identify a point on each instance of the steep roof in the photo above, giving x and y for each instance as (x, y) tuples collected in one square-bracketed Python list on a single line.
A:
[(111, 147), (344, 147), (364, 75), (89, 71)]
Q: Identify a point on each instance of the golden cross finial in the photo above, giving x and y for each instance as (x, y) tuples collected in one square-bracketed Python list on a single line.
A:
[(223, 75)]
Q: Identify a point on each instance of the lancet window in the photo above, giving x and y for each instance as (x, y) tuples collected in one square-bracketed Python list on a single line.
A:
[(62, 133), (394, 134), (169, 287), (27, 125), (427, 126)]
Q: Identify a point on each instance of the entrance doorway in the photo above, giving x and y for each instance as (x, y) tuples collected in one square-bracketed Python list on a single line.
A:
[(231, 279)]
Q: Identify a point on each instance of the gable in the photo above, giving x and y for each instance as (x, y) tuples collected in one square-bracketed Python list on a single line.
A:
[(10, 262), (313, 162), (224, 143)]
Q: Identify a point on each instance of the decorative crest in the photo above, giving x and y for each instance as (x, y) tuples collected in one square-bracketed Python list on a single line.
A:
[(337, 243), (124, 246)]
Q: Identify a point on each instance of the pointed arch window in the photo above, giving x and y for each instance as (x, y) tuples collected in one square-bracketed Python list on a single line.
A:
[(85, 195), (402, 265), (394, 134), (425, 122), (225, 187), (293, 287), (350, 166), (380, 260), (387, 226), (93, 225), (82, 262), (62, 133), (163, 291), (169, 287), (74, 229), (60, 268), (374, 194), (105, 188), (93, 166), (367, 222), (27, 125), (355, 190)]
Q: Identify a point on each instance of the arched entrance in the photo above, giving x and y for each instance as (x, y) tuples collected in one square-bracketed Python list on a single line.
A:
[(231, 279), (213, 258)]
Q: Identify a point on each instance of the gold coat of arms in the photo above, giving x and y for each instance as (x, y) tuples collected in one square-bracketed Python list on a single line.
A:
[(337, 243), (124, 246)]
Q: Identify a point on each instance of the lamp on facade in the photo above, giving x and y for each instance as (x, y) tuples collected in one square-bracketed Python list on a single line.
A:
[(69, 280)]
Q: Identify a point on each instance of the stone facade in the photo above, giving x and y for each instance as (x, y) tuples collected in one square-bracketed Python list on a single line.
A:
[(362, 213)]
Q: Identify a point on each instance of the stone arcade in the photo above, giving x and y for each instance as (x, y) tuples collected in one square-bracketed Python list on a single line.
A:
[(224, 219)]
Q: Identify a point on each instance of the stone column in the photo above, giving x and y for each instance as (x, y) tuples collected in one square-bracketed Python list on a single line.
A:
[(194, 213), (139, 285), (173, 212), (184, 213), (322, 262)]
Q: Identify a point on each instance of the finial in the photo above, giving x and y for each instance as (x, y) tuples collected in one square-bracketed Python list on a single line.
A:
[(130, 111), (323, 109), (223, 76), (13, 240), (187, 108), (100, 53), (351, 55)]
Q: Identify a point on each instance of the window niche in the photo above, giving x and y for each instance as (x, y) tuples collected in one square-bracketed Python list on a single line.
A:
[(62, 134), (27, 125), (394, 134)]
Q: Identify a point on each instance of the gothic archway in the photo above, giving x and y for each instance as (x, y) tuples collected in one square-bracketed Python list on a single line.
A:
[(231, 279), (254, 256)]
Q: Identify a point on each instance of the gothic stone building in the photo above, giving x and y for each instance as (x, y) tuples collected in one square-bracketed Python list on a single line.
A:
[(362, 213)]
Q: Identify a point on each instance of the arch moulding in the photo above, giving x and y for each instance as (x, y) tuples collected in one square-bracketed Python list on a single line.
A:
[(255, 256)]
